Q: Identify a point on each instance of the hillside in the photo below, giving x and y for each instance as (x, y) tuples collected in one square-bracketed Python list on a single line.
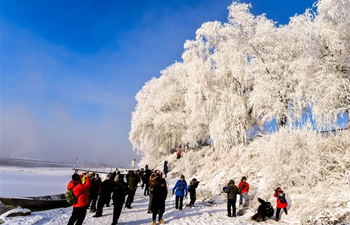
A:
[(311, 168)]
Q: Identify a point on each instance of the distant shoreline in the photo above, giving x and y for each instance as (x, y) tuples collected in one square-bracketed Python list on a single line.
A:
[(24, 162)]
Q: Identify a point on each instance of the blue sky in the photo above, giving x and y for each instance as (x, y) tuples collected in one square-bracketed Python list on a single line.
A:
[(70, 70)]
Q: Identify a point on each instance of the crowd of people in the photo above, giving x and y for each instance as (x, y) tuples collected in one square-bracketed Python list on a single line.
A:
[(94, 192)]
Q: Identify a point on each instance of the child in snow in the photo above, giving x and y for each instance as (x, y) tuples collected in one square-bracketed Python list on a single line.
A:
[(232, 192), (181, 192), (244, 186), (281, 202), (159, 192)]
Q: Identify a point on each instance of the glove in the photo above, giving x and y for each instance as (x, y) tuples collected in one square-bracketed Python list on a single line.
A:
[(173, 192)]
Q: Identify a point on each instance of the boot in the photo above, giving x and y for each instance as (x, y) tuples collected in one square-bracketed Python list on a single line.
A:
[(154, 222), (161, 221)]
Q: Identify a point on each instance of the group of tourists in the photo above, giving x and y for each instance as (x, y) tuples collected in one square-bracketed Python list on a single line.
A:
[(91, 189), (265, 209), (156, 188), (95, 192)]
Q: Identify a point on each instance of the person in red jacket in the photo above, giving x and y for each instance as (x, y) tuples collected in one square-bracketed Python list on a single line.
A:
[(79, 186), (281, 202), (244, 187)]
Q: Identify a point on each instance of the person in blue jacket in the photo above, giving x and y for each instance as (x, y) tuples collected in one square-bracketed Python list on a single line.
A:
[(181, 191)]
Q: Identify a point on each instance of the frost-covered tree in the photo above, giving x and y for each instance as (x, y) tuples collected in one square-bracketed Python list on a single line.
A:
[(327, 72), (158, 121), (247, 72)]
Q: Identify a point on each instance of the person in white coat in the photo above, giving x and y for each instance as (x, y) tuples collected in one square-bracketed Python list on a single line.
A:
[(133, 163)]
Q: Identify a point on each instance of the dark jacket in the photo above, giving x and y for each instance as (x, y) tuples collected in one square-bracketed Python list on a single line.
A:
[(165, 169), (132, 181), (146, 176), (192, 188), (265, 208), (159, 196), (120, 189), (232, 190), (94, 188), (105, 189)]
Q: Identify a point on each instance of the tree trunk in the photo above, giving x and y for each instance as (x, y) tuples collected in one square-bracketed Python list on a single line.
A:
[(282, 121)]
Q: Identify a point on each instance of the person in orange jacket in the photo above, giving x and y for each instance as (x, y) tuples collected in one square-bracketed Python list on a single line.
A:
[(281, 202), (79, 185)]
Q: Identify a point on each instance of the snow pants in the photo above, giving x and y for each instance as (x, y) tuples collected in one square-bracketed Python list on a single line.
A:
[(117, 209), (278, 211), (231, 203), (177, 200), (78, 216), (130, 198)]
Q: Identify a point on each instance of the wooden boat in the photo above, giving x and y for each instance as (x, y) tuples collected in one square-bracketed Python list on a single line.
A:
[(37, 203)]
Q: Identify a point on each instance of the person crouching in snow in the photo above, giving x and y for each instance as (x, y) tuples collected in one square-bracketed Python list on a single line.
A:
[(79, 189), (281, 202), (181, 192), (232, 192), (159, 192)]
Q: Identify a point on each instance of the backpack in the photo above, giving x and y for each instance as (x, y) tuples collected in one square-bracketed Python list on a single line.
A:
[(71, 199), (282, 198)]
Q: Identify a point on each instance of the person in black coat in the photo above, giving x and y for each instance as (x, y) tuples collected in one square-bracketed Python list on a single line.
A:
[(265, 210), (232, 192), (166, 168), (120, 190), (93, 192), (105, 195), (160, 192), (146, 176), (192, 190)]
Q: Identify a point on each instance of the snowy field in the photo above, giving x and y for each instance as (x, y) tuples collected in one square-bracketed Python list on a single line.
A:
[(17, 181)]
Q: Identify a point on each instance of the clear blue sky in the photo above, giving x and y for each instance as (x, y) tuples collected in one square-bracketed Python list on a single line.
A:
[(70, 70)]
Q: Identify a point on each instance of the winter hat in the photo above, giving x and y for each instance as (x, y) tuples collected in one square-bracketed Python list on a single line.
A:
[(104, 177), (278, 189), (75, 177)]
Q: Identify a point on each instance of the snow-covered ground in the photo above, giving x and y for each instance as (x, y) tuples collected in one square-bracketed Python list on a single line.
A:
[(16, 181)]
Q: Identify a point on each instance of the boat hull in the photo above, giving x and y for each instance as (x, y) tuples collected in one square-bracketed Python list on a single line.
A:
[(37, 203)]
